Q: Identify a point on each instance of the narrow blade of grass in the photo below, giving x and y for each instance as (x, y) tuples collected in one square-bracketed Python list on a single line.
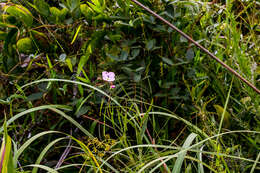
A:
[(44, 151), (180, 159), (46, 168), (256, 161), (29, 141)]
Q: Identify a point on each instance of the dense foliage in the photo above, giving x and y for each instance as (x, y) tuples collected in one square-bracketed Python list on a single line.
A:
[(171, 107)]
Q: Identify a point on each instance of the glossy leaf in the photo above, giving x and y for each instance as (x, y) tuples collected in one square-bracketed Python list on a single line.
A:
[(21, 13), (42, 7)]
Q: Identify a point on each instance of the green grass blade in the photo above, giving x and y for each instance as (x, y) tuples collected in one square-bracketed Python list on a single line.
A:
[(53, 108), (6, 156), (15, 117), (89, 86), (51, 170), (197, 130), (76, 34), (72, 121), (225, 108), (256, 161), (44, 151), (180, 159), (200, 166), (76, 165), (195, 145), (29, 141)]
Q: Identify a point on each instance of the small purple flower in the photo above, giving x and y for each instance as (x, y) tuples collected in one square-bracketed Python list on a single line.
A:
[(108, 76), (112, 86)]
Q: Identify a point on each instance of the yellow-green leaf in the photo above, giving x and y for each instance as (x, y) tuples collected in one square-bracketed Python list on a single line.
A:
[(220, 110), (83, 79), (76, 34), (69, 64), (6, 157), (21, 13), (25, 45), (55, 11), (49, 61)]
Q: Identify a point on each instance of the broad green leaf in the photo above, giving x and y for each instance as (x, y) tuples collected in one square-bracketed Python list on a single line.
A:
[(63, 14), (82, 110), (69, 64), (96, 6), (56, 13), (73, 4), (42, 7), (84, 8), (123, 55), (96, 2), (84, 59), (35, 96), (114, 37), (150, 44), (167, 60), (21, 13), (25, 45)]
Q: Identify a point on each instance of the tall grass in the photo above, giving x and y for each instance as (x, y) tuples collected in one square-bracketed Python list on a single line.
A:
[(131, 155)]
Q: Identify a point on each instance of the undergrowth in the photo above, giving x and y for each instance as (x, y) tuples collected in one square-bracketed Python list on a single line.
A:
[(167, 107)]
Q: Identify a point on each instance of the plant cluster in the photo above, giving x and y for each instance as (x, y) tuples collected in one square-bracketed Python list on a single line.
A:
[(101, 86)]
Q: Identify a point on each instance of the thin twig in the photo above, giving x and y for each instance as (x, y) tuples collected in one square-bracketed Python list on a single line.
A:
[(199, 46)]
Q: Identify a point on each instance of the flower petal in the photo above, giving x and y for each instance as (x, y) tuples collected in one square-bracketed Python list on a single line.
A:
[(108, 76), (112, 86)]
